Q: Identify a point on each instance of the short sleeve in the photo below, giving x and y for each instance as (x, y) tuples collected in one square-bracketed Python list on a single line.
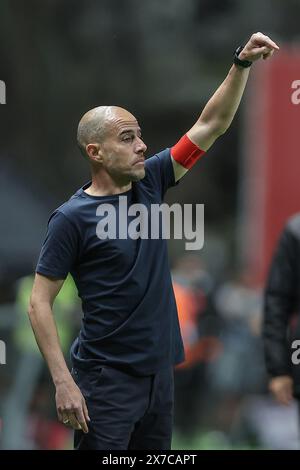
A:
[(160, 168), (60, 248)]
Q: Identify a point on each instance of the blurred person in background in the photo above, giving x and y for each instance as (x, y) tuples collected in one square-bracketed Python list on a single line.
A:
[(282, 315), (246, 414), (193, 289), (238, 304), (272, 421), (120, 392), (239, 371), (16, 406)]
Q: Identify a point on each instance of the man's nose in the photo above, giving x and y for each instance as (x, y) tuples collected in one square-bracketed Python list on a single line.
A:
[(141, 146)]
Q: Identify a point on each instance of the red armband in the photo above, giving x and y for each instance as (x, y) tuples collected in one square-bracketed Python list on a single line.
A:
[(186, 153)]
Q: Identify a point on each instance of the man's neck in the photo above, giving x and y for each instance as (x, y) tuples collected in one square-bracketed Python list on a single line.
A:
[(102, 186)]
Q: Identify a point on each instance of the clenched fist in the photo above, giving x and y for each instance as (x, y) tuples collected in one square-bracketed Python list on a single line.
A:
[(259, 46)]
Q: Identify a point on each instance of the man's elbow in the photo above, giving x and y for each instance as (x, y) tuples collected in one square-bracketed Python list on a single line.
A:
[(215, 129), (31, 310), (220, 127), (35, 308)]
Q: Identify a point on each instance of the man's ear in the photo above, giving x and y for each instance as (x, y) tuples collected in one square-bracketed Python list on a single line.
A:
[(94, 152)]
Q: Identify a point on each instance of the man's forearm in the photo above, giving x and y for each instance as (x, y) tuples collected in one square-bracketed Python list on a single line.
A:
[(43, 325), (222, 106), (70, 403)]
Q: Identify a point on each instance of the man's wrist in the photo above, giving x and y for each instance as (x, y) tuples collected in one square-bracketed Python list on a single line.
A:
[(239, 58), (62, 378)]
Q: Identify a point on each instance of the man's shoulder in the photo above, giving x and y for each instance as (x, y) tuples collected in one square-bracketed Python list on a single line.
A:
[(155, 160), (70, 208), (293, 225), (158, 166)]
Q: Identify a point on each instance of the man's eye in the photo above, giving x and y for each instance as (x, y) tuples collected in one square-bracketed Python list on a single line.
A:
[(127, 139)]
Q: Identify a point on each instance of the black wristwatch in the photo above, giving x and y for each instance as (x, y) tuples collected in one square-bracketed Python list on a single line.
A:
[(237, 61)]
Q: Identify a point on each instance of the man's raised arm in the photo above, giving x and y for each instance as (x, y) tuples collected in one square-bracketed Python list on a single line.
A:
[(70, 404), (219, 112)]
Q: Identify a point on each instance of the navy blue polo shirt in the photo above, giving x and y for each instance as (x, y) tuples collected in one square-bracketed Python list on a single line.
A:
[(130, 318)]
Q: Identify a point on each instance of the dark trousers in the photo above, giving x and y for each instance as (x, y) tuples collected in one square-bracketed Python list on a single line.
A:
[(126, 412)]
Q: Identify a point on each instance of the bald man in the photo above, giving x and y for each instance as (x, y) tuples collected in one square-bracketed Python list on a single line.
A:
[(119, 394)]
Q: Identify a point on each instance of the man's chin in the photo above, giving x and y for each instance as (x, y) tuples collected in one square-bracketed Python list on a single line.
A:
[(137, 176)]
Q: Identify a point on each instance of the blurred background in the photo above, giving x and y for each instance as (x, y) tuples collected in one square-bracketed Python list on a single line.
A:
[(162, 61)]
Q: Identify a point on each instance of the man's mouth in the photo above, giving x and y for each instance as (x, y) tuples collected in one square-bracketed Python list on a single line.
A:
[(139, 161)]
